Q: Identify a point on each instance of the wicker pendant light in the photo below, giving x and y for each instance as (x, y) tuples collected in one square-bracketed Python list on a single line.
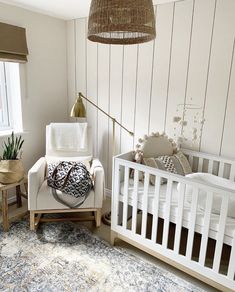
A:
[(121, 22)]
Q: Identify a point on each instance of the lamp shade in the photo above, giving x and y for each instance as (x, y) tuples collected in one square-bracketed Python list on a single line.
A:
[(121, 22), (78, 110)]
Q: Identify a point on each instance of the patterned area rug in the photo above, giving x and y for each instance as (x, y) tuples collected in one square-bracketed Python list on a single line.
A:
[(68, 257)]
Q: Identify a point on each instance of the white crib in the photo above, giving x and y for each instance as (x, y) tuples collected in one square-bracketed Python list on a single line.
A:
[(158, 219)]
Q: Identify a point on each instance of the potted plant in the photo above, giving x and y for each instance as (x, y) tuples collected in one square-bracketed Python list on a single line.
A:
[(11, 167)]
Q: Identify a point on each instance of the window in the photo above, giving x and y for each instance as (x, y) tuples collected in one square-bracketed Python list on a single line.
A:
[(10, 97), (4, 105)]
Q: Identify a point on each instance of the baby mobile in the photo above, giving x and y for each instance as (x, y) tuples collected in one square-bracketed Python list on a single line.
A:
[(188, 125)]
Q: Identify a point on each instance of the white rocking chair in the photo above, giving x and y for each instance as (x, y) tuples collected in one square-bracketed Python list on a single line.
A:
[(40, 198)]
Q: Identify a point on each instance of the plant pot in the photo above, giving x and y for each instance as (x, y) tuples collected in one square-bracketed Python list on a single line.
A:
[(11, 171)]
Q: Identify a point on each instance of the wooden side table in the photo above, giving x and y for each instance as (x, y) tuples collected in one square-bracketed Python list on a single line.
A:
[(4, 189)]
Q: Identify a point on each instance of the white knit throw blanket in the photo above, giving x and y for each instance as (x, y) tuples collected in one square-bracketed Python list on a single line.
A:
[(68, 136)]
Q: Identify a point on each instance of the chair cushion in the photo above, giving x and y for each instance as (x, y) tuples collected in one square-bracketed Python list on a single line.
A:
[(46, 201), (86, 160)]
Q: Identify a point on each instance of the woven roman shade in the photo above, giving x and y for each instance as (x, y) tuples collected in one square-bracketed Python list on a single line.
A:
[(121, 22), (13, 45)]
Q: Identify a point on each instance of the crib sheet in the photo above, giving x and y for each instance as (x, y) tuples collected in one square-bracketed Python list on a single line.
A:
[(214, 224)]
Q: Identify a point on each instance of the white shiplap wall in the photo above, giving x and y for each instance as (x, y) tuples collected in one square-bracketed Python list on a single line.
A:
[(191, 61)]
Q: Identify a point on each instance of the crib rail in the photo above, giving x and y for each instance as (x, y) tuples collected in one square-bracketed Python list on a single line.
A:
[(203, 162), (146, 218)]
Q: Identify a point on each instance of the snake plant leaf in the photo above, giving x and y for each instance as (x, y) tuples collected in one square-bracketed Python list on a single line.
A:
[(12, 137), (21, 144), (16, 142), (12, 147)]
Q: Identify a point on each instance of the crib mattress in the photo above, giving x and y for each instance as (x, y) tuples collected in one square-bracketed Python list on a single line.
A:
[(214, 224)]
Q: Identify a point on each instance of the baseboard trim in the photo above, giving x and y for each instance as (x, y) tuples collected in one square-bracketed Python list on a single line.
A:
[(108, 192)]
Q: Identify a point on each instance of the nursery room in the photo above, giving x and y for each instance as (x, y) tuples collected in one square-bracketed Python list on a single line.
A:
[(117, 145)]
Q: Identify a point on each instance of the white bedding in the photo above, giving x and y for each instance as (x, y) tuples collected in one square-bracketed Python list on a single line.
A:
[(217, 198), (230, 224)]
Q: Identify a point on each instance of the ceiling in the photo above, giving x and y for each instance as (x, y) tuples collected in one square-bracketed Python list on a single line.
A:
[(65, 9)]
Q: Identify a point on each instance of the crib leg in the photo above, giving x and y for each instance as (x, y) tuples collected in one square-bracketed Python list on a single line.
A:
[(32, 221), (113, 236), (98, 217)]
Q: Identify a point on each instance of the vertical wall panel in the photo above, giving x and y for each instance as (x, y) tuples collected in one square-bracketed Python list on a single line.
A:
[(141, 86), (103, 102), (116, 81), (92, 90), (162, 51), (71, 62), (198, 66), (128, 99), (143, 94), (221, 55), (228, 137), (81, 55), (179, 62)]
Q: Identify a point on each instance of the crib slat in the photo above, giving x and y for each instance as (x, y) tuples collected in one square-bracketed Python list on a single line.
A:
[(220, 234), (232, 172), (115, 194), (206, 227), (125, 198), (155, 208), (145, 205), (167, 216), (221, 169), (231, 266), (210, 166), (193, 213), (135, 200), (200, 164), (179, 218)]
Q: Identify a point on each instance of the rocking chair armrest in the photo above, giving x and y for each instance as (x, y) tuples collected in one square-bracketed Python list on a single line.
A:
[(98, 174), (36, 177), (95, 165)]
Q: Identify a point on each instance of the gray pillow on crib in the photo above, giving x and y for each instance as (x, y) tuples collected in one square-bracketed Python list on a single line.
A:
[(176, 163)]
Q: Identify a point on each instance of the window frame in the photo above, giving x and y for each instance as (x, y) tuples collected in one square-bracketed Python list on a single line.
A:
[(6, 122), (12, 111)]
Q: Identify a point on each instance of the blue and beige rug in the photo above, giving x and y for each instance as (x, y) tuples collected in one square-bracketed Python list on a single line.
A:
[(67, 257)]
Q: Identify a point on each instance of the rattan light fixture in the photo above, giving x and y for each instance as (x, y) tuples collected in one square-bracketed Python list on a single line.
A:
[(121, 22)]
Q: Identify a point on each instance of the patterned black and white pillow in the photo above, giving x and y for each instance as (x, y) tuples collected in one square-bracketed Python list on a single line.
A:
[(176, 163), (167, 163)]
